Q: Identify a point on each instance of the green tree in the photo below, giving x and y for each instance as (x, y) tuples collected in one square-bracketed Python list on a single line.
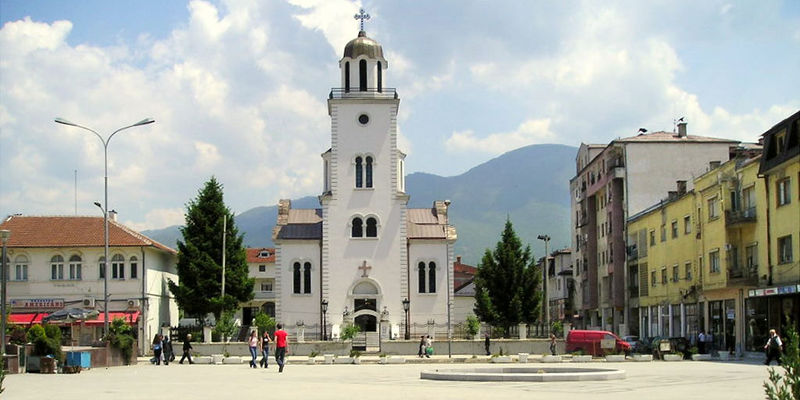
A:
[(199, 290), (507, 283)]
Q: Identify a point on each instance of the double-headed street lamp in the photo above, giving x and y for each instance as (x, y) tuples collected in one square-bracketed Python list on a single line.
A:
[(546, 240), (4, 235), (104, 208)]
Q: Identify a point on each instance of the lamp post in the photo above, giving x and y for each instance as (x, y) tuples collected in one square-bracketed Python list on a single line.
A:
[(324, 306), (449, 285), (105, 205), (4, 235), (406, 305), (546, 239)]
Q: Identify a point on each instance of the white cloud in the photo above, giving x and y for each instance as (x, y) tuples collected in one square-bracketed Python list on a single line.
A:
[(529, 132), (158, 217), (328, 16)]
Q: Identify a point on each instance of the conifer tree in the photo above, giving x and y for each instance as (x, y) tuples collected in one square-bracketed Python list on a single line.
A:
[(199, 288), (507, 283)]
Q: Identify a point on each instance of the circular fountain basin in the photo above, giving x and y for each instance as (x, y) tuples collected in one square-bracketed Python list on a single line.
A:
[(524, 374)]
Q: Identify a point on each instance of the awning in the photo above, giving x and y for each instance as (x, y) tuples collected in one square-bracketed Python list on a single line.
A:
[(130, 317), (26, 318)]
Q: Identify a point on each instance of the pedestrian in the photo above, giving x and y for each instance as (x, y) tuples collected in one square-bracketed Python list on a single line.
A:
[(710, 343), (428, 346), (166, 346), (773, 348), (421, 352), (281, 345), (157, 348), (187, 349), (487, 343), (253, 344), (701, 342), (265, 350), (552, 344)]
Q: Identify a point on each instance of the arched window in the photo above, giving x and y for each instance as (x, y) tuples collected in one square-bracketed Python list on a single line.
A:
[(307, 277), (57, 268), (421, 276), (431, 277), (117, 267), (380, 78), (358, 228), (296, 278), (75, 267), (372, 227), (369, 171), (102, 267), (21, 268), (347, 77), (134, 267), (362, 75), (359, 168)]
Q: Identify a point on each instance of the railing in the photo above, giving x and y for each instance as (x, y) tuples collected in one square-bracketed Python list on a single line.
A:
[(743, 275), (371, 93), (259, 294), (747, 215)]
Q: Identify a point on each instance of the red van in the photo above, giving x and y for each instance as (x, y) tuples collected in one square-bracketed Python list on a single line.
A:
[(591, 342)]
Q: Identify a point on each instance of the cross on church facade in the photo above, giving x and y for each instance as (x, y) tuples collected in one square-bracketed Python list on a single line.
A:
[(365, 269), (362, 16)]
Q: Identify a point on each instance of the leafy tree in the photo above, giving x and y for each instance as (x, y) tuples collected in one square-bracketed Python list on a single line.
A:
[(199, 290), (507, 283), (786, 386)]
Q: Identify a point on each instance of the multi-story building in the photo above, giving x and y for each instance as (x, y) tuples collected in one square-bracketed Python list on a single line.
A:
[(560, 285), (261, 267), (57, 262), (615, 181)]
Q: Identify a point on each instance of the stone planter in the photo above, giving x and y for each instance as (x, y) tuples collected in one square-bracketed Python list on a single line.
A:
[(701, 357), (33, 364), (311, 360), (724, 356), (501, 359), (523, 357), (383, 360), (48, 365), (395, 360), (615, 357), (582, 359), (203, 360), (232, 360), (328, 358), (343, 360), (643, 357), (357, 360), (217, 358), (551, 359), (673, 357)]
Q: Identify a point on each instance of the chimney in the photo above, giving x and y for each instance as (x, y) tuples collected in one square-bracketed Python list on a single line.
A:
[(681, 188), (458, 259), (714, 164), (681, 129), (112, 215), (672, 195)]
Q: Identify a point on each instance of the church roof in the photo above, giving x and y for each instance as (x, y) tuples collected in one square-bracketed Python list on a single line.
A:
[(426, 223), (362, 45), (302, 224)]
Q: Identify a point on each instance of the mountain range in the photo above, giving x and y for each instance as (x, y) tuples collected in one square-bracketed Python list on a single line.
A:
[(529, 185)]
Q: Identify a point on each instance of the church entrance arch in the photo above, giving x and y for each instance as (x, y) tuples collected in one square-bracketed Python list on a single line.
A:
[(365, 294), (367, 323)]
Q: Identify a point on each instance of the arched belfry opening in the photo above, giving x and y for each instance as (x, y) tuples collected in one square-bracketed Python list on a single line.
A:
[(347, 76), (362, 75), (380, 77)]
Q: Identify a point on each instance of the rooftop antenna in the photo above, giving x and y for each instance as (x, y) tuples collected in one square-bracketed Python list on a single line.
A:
[(363, 16)]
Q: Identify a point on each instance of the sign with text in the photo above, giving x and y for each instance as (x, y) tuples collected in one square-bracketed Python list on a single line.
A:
[(37, 303)]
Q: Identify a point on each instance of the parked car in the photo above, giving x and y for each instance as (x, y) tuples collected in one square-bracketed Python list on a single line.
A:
[(591, 342)]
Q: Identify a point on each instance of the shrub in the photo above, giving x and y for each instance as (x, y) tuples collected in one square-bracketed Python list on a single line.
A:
[(349, 331), (473, 325), (53, 332), (557, 327), (355, 353), (120, 337), (225, 325), (35, 332), (264, 322), (18, 336), (786, 386)]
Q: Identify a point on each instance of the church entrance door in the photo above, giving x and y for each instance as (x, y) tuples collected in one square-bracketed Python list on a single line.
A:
[(367, 323)]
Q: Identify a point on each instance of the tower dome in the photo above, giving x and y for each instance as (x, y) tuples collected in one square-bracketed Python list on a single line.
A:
[(362, 45)]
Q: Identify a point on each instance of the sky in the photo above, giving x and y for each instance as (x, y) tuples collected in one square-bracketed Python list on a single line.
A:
[(238, 89)]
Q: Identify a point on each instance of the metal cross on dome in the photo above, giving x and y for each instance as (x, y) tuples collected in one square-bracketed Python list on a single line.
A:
[(363, 16)]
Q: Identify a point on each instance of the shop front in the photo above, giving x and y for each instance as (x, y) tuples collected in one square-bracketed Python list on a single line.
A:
[(770, 308)]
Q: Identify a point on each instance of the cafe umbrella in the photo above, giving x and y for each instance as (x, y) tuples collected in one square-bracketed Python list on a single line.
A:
[(71, 315)]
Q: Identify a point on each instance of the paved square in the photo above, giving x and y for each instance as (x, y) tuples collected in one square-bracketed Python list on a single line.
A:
[(654, 380)]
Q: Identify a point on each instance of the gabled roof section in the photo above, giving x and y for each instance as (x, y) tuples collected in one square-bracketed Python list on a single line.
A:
[(430, 223), (73, 231), (297, 224), (261, 255)]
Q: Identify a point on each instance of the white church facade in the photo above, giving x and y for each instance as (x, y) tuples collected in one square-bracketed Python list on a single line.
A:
[(363, 257)]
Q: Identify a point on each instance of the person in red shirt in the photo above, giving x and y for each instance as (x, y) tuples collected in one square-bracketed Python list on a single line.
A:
[(281, 343)]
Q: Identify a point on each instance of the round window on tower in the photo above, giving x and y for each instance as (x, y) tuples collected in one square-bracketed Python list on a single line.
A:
[(363, 119)]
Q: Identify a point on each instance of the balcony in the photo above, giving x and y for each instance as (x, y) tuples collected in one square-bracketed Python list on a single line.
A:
[(738, 217), (616, 172), (264, 295), (743, 276), (370, 93)]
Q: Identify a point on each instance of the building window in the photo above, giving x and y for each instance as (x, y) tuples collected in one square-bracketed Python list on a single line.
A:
[(431, 277), (675, 229), (784, 192), (713, 261), (75, 268), (262, 268), (358, 228), (713, 208), (688, 271), (134, 267), (266, 286), (101, 265), (296, 278), (675, 273), (307, 277), (372, 227), (785, 249), (663, 275), (117, 267), (21, 268), (663, 233), (57, 268), (421, 277), (369, 171), (653, 278), (652, 238), (687, 225), (359, 172), (751, 257)]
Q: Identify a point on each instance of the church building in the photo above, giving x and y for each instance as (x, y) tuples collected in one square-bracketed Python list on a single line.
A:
[(363, 257)]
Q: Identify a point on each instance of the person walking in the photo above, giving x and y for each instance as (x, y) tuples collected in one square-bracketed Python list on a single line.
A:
[(166, 346), (552, 344), (281, 344), (157, 348), (701, 342), (421, 352), (773, 348), (253, 344), (428, 346), (486, 343), (187, 349), (265, 350)]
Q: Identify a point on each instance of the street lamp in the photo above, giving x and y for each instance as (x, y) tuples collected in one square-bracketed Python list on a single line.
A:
[(104, 208), (546, 239), (406, 305), (324, 305), (4, 235)]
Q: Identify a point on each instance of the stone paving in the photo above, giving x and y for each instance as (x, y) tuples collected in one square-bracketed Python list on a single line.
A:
[(645, 380)]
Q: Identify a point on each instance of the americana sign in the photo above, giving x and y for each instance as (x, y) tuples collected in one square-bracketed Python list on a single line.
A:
[(789, 289), (37, 303)]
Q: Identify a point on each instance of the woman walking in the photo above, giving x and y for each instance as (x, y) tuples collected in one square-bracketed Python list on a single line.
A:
[(265, 350), (253, 342), (157, 348)]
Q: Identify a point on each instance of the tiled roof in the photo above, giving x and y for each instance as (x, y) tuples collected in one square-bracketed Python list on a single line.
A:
[(254, 255), (426, 223), (305, 216), (66, 231), (423, 216), (672, 137), (301, 231)]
